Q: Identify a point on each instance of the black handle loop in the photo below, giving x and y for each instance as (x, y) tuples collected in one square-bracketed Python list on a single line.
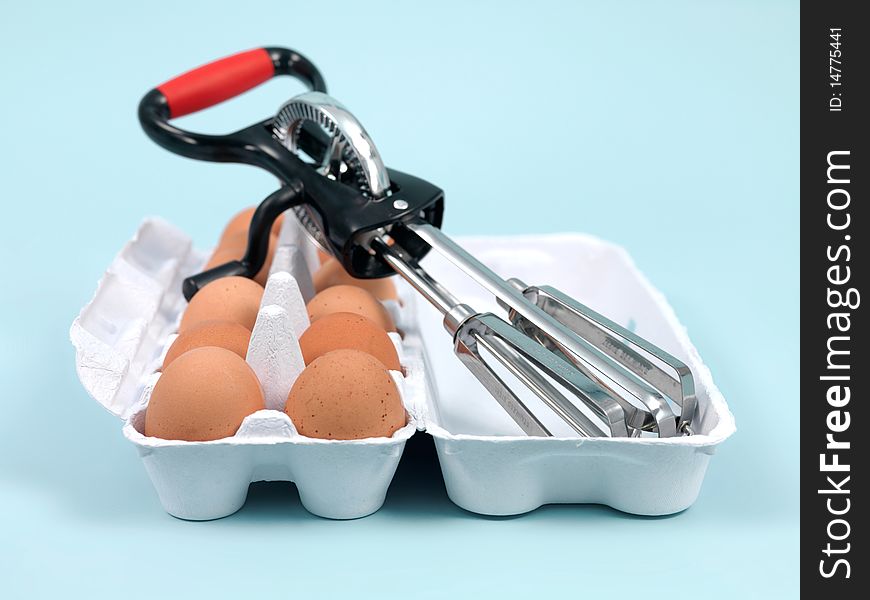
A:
[(154, 115)]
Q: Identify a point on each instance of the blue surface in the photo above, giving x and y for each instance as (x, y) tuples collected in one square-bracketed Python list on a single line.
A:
[(678, 139)]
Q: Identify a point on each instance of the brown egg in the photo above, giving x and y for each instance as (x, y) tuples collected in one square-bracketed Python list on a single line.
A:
[(349, 298), (323, 257), (223, 334), (276, 226), (221, 256), (234, 247), (241, 222), (349, 331), (332, 273), (345, 395), (235, 299), (205, 394)]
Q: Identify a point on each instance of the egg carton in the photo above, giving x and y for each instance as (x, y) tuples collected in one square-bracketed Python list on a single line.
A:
[(489, 465)]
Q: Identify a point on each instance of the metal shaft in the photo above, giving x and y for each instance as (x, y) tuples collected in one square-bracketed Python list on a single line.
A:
[(468, 341), (430, 289)]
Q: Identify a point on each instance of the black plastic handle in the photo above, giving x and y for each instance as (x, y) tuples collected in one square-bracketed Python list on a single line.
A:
[(213, 83)]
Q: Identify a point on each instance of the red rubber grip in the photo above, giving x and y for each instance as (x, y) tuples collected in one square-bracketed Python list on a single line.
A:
[(217, 81)]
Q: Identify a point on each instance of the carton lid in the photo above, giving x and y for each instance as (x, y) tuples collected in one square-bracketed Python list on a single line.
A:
[(117, 335)]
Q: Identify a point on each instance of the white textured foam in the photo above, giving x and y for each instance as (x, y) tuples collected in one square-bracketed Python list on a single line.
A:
[(274, 354), (283, 290), (293, 235), (291, 260)]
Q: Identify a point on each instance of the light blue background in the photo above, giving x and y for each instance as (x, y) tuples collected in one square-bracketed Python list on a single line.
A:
[(669, 127)]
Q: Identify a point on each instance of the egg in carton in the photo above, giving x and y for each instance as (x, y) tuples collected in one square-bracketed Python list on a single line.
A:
[(489, 465), (123, 334)]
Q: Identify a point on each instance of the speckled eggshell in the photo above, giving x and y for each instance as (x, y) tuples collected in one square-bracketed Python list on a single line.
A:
[(346, 330), (205, 394), (235, 299), (332, 273), (345, 395), (223, 334), (349, 298)]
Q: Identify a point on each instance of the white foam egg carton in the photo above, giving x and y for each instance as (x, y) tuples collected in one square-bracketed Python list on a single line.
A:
[(489, 466)]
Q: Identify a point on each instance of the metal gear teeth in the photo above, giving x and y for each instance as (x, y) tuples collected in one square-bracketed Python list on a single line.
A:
[(290, 119)]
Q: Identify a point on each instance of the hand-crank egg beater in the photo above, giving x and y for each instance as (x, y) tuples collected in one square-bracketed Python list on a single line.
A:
[(600, 378)]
